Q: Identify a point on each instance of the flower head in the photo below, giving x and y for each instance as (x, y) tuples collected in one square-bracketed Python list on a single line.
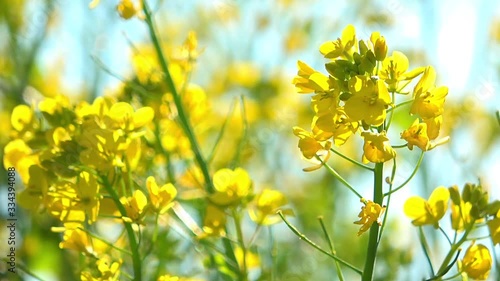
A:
[(429, 100), (377, 148), (416, 135), (231, 186), (477, 262), (369, 100), (266, 204), (160, 197), (430, 211), (369, 214)]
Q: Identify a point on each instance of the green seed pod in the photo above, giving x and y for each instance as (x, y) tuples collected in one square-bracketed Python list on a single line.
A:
[(362, 47)]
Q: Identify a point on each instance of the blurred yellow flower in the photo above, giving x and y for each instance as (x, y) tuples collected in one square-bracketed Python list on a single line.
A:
[(368, 101), (126, 9), (369, 214), (416, 135), (377, 148), (265, 206), (134, 206), (430, 211), (214, 223), (78, 240), (460, 215), (477, 262), (21, 118), (88, 198), (494, 227), (160, 197), (231, 186)]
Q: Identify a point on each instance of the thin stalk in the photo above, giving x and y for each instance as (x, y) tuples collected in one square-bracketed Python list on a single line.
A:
[(221, 132), (352, 160), (452, 251), (105, 242), (445, 235), (332, 248), (185, 123), (409, 178), (241, 144), (378, 197), (339, 178), (399, 105), (239, 234), (134, 246), (315, 246), (425, 248)]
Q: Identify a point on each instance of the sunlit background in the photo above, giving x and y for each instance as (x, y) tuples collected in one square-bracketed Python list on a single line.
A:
[(250, 49)]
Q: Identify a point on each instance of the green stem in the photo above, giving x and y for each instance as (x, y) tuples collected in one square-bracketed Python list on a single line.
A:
[(352, 160), (399, 105), (315, 246), (186, 125), (393, 174), (332, 248), (134, 247), (338, 177), (409, 178), (425, 248), (371, 255), (239, 233), (452, 251)]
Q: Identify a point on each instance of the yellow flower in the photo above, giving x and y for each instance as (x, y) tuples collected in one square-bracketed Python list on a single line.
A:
[(88, 199), (369, 214), (19, 155), (107, 270), (126, 9), (379, 46), (231, 186), (161, 197), (21, 118), (245, 74), (347, 44), (460, 215), (416, 135), (251, 260), (368, 101), (477, 262), (424, 212), (394, 69), (334, 124), (309, 80), (266, 204), (214, 223), (168, 278), (377, 148), (78, 240), (134, 206), (308, 145), (433, 126), (429, 100), (494, 227)]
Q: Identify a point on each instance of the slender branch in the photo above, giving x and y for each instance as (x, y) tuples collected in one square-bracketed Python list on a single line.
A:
[(332, 248), (409, 178), (425, 248), (339, 178), (221, 132), (352, 160), (134, 246), (314, 245), (185, 123)]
